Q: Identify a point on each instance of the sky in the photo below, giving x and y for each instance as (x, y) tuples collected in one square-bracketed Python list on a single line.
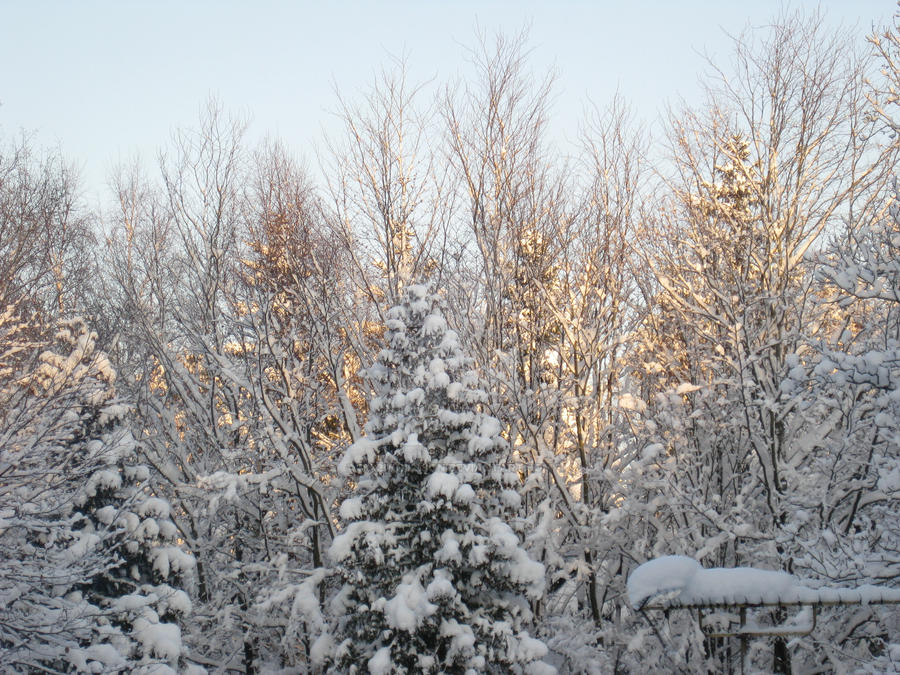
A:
[(108, 81)]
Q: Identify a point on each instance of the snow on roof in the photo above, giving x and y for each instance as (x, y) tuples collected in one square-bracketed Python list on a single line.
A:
[(679, 581)]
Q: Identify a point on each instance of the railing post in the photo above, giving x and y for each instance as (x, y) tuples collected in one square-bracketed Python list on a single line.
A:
[(743, 637)]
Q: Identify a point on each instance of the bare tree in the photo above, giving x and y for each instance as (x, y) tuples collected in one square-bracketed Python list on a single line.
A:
[(544, 292), (45, 231), (387, 189)]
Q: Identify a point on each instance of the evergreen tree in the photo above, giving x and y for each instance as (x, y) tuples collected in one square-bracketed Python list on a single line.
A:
[(73, 518), (138, 590), (434, 578)]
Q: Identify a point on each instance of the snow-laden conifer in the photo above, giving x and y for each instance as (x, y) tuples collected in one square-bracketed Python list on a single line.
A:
[(434, 578), (82, 546), (140, 592)]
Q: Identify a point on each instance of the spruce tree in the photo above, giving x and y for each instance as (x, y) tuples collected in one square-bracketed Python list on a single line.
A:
[(138, 592), (434, 578), (74, 518)]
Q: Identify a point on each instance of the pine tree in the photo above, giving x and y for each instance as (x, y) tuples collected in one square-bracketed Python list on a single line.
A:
[(139, 590), (73, 517), (434, 578)]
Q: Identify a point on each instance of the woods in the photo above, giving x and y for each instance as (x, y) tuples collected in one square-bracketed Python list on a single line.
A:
[(426, 408)]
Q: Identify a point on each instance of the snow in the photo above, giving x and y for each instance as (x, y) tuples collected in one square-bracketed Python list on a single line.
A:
[(478, 555), (112, 412), (686, 388), (105, 480), (380, 664), (176, 600), (631, 403), (524, 570), (462, 639), (162, 640), (139, 473), (84, 544), (373, 534), (321, 649), (651, 451), (531, 649), (149, 529), (449, 551), (442, 483), (351, 508), (440, 586), (394, 324), (464, 494), (106, 514), (502, 535), (413, 451), (128, 521), (361, 451), (105, 654), (167, 529), (434, 324), (342, 545), (168, 559), (490, 426), (681, 581), (510, 499), (130, 602), (660, 576), (439, 381), (739, 582), (409, 607)]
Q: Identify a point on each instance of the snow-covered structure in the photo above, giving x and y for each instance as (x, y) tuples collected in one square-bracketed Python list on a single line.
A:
[(677, 581), (434, 578), (724, 598), (720, 597)]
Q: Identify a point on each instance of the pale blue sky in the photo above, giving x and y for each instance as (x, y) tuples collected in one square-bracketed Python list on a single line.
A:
[(106, 80)]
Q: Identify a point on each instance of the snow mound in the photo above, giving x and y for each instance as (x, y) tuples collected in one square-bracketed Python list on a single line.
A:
[(380, 664), (161, 640), (408, 609), (677, 581)]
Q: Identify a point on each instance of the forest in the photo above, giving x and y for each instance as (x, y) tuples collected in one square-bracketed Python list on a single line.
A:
[(425, 408)]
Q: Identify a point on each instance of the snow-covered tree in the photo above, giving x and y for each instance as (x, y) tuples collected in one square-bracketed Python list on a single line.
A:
[(784, 151), (142, 591), (434, 578), (240, 373), (78, 536), (845, 507)]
